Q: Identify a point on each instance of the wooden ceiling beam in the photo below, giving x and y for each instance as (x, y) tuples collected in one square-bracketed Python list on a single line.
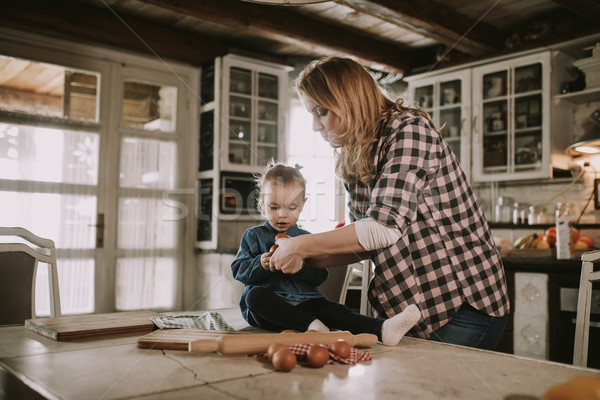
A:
[(586, 9), (282, 24), (432, 20), (82, 22)]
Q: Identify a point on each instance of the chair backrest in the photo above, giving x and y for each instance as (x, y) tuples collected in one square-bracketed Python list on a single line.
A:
[(584, 305), (18, 269)]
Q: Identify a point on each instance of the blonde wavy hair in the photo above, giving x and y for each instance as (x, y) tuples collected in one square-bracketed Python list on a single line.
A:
[(346, 88)]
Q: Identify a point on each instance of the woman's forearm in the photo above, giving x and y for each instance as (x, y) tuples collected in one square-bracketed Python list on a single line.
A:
[(336, 242), (327, 249), (329, 261)]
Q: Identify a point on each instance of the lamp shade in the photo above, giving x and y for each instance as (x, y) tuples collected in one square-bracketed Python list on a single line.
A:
[(589, 143)]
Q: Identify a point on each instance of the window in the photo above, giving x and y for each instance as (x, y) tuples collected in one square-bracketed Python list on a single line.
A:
[(91, 149), (308, 149)]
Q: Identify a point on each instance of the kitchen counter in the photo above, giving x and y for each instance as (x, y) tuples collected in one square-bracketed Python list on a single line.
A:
[(552, 303), (117, 369)]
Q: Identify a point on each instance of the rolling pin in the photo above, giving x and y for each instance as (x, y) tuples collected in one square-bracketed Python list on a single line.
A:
[(255, 343)]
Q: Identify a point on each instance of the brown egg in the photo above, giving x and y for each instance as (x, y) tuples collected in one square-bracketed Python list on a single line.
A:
[(288, 331), (284, 360), (317, 356), (273, 349), (273, 248), (341, 348), (281, 236)]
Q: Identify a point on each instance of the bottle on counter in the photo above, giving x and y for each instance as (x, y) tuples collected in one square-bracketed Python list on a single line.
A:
[(564, 214), (520, 215), (504, 210), (537, 215)]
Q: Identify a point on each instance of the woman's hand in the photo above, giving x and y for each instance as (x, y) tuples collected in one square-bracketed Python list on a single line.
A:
[(286, 259)]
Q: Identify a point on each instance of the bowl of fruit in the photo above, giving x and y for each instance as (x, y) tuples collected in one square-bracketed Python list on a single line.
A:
[(544, 244)]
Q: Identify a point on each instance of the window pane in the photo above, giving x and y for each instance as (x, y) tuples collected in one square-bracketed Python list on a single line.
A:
[(302, 138), (34, 88), (68, 219), (75, 283), (48, 155), (147, 223), (145, 282), (240, 81), (318, 214), (147, 163), (268, 86), (149, 107)]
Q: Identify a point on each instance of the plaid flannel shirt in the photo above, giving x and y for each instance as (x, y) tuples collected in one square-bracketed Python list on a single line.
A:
[(446, 255)]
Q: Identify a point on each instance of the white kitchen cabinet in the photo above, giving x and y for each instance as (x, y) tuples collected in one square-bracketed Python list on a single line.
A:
[(446, 98), (242, 127), (253, 107), (514, 135)]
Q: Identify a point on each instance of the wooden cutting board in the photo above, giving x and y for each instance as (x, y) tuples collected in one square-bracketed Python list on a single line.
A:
[(93, 326), (179, 339)]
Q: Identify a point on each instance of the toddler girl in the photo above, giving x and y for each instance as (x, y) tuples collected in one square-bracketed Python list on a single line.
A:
[(275, 301)]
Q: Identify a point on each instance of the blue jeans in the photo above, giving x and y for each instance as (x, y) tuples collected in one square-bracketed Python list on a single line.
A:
[(470, 327)]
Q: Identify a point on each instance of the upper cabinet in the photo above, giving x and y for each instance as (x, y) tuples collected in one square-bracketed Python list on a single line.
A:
[(499, 116), (446, 98), (242, 127), (252, 114), (511, 105)]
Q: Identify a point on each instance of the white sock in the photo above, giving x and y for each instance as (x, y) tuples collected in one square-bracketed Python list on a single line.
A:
[(318, 326), (394, 329)]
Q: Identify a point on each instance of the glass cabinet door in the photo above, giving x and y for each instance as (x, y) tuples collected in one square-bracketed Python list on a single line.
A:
[(240, 114), (527, 117), (450, 121), (253, 103), (514, 137), (446, 99), (268, 90), (495, 128)]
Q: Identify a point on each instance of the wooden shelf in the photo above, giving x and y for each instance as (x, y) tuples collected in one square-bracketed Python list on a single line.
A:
[(494, 225), (581, 97)]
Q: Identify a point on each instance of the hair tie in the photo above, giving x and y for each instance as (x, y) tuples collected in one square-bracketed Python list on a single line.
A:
[(298, 167)]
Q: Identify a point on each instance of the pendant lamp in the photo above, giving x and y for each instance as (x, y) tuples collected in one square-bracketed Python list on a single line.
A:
[(589, 143)]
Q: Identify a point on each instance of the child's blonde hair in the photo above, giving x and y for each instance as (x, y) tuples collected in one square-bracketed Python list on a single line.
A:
[(279, 174)]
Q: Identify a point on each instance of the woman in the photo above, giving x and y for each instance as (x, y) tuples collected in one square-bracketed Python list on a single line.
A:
[(413, 211)]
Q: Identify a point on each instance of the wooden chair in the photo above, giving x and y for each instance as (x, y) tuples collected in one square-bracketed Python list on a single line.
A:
[(18, 269), (336, 285), (584, 305)]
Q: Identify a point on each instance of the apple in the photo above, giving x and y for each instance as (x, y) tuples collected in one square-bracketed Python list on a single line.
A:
[(588, 240), (574, 235), (550, 239)]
